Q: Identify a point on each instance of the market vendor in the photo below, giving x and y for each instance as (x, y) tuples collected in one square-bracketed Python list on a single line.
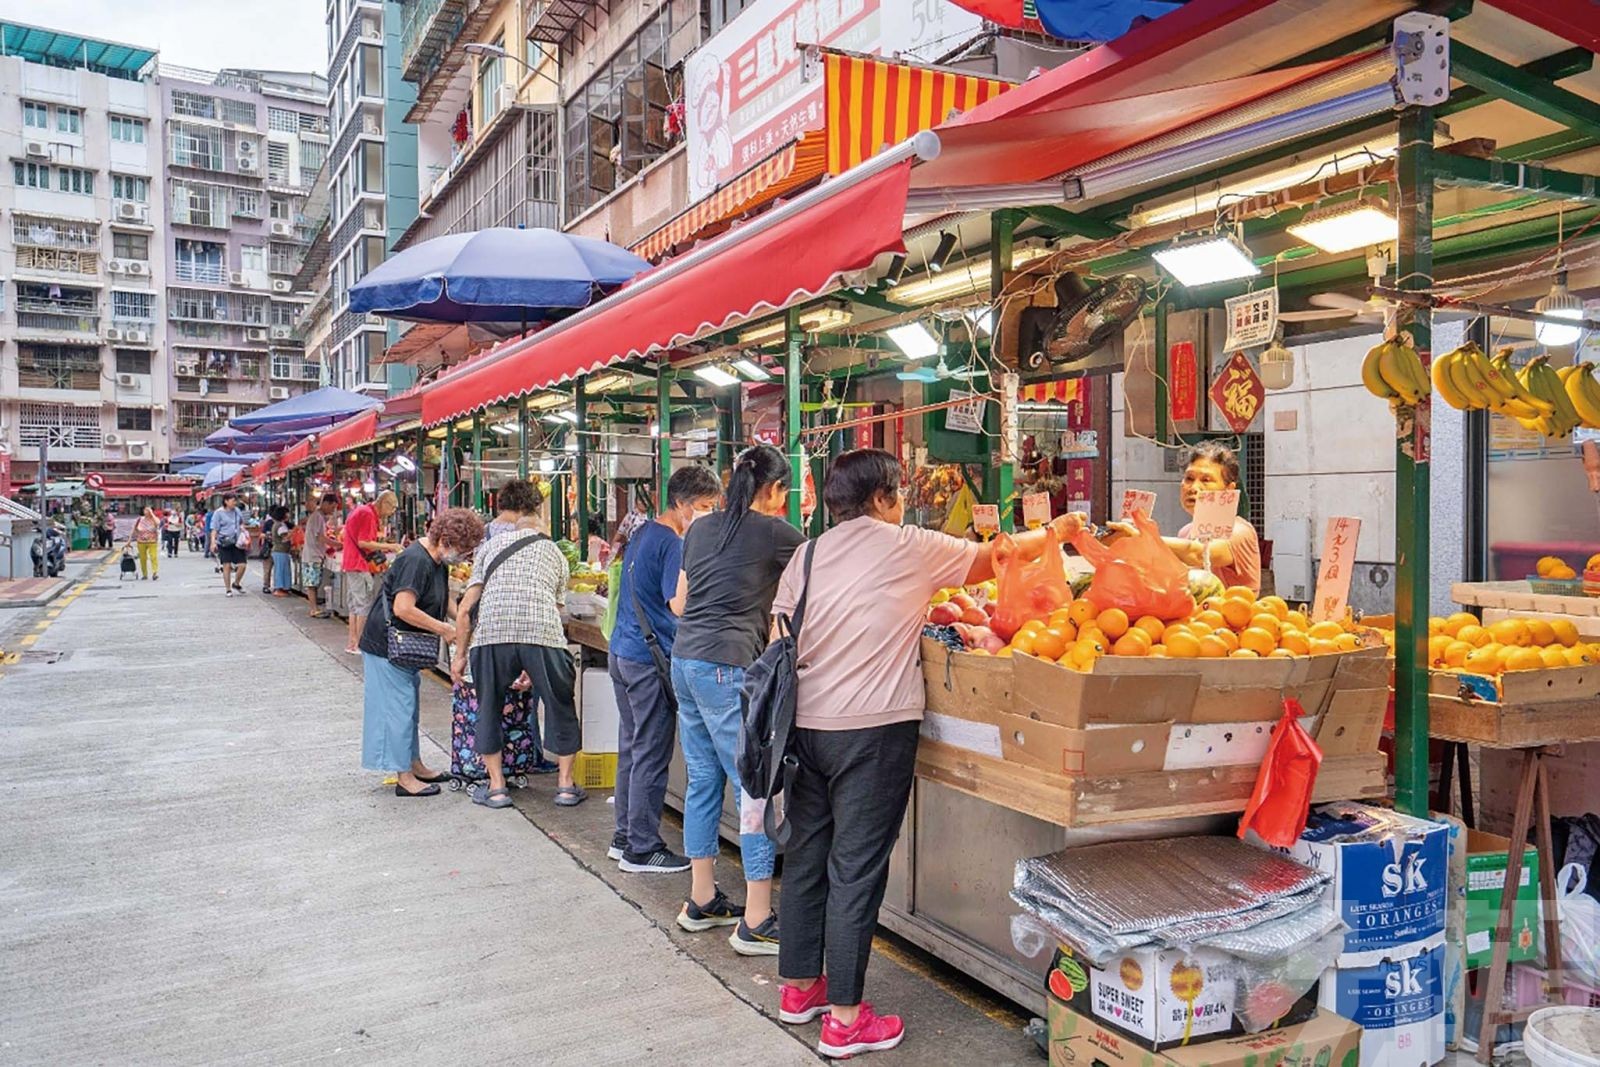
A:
[(1237, 561)]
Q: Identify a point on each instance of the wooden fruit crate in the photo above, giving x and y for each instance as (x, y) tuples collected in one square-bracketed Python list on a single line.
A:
[(1546, 707)]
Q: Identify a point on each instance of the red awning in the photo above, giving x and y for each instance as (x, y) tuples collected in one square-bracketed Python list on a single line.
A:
[(1197, 61), (260, 469), (351, 433), (147, 488), (1573, 20), (742, 273), (295, 454)]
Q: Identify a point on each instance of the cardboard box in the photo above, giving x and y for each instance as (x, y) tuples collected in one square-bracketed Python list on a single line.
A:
[(1398, 1002), (1486, 875), (1092, 750), (1455, 933), (961, 683), (1324, 1040), (1159, 997), (1391, 891)]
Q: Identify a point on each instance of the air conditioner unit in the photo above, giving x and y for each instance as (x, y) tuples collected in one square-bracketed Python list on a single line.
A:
[(128, 381), (280, 228), (370, 125), (113, 333), (506, 97), (136, 337), (236, 277), (280, 285), (37, 148), (278, 392), (128, 211), (111, 438), (138, 449), (245, 149), (117, 266), (255, 334), (185, 370), (137, 267), (246, 166), (281, 333)]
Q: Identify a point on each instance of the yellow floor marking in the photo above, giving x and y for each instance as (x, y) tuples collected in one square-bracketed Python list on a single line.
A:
[(29, 639), (983, 1006), (54, 612), (42, 625)]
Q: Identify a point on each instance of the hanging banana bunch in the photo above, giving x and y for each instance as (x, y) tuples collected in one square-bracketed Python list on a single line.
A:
[(1539, 397), (1393, 371)]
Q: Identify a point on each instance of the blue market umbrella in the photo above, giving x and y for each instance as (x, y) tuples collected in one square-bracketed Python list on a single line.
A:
[(220, 473), (205, 457), (237, 443), (495, 275), (304, 414)]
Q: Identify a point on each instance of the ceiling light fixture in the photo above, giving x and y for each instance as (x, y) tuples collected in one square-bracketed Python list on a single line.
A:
[(505, 429), (1203, 260), (1556, 305), (716, 376), (605, 383), (941, 254), (1348, 226), (915, 340), (896, 271), (817, 320), (752, 370), (567, 415), (971, 276)]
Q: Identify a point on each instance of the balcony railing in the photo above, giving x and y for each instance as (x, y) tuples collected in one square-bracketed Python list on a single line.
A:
[(78, 374), (206, 273), (56, 318), (50, 233), (127, 326), (57, 261)]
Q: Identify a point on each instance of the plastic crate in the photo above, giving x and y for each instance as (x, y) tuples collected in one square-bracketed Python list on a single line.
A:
[(1555, 586), (595, 770)]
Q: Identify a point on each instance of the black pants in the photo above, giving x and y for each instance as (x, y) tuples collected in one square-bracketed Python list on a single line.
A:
[(495, 667), (849, 801), (170, 539), (647, 728)]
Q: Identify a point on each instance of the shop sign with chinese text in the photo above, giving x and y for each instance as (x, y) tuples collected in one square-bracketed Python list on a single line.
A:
[(1183, 376), (1333, 576), (1238, 393), (965, 415)]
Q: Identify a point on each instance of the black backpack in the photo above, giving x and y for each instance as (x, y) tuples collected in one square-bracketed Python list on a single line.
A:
[(766, 761)]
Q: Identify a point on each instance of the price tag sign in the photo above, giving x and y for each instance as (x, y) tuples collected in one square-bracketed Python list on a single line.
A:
[(1333, 577), (1035, 510), (1137, 500), (965, 414), (986, 520), (1214, 512)]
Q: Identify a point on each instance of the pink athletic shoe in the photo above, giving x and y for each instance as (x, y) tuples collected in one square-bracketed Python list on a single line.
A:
[(871, 1033), (797, 1006)]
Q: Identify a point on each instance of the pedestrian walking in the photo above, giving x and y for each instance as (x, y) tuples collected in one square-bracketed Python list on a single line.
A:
[(314, 572), (732, 560), (210, 542), (363, 553), (641, 673), (414, 598), (519, 580), (194, 530), (106, 529), (282, 533), (172, 532), (227, 531), (857, 715), (146, 538)]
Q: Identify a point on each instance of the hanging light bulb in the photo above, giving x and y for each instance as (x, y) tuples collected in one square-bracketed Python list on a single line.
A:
[(1558, 304), (1277, 365)]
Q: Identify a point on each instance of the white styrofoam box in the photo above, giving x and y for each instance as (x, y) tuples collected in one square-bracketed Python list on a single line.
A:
[(1398, 1001), (599, 711), (1389, 890), (1139, 993)]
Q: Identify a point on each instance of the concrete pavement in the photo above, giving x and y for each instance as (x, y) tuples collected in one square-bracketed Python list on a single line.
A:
[(194, 869)]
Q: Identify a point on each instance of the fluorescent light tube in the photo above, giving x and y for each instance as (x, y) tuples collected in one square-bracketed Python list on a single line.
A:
[(716, 376), (915, 340), (752, 370)]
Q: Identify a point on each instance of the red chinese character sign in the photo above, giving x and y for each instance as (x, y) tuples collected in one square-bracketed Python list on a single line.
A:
[(1238, 393), (1333, 576), (1183, 378)]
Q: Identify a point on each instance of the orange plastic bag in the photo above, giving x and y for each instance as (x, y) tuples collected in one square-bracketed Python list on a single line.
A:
[(1138, 574), (1027, 589), (1281, 800)]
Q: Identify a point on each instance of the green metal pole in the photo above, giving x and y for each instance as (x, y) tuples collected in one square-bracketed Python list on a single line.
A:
[(793, 339), (1000, 478), (522, 437), (447, 465), (580, 468), (663, 434), (477, 460), (1414, 186)]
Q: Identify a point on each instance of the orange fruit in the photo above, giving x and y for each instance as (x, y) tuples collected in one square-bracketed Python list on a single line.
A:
[(1084, 653), (1212, 618), (1280, 653), (1113, 622), (1298, 620), (1547, 564), (1322, 646), (1050, 643), (1240, 592), (1294, 642), (1474, 635), (1541, 632), (1006, 653), (1436, 646), (1454, 623), (1227, 637), (1325, 631), (1024, 641), (1511, 632), (1158, 651), (1274, 606), (1506, 652), (1174, 628), (1059, 616), (1129, 645), (1151, 626), (1347, 642), (1564, 631), (1524, 659), (1436, 627), (1182, 645), (1238, 612), (1554, 656), (1456, 653), (1244, 653), (1265, 620), (1484, 661), (1081, 611), (1032, 626), (1258, 640), (1093, 633), (1579, 656), (1594, 563), (1213, 647)]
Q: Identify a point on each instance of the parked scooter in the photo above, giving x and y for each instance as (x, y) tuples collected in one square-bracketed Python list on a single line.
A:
[(49, 552)]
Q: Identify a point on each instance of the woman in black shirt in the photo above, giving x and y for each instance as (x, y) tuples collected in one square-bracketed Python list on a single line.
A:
[(416, 596)]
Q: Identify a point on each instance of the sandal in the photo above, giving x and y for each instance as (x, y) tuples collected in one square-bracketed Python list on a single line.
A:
[(490, 798), (570, 796), (428, 791)]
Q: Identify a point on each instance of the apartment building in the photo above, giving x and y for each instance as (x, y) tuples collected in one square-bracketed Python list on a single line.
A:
[(83, 371), (372, 181), (242, 149)]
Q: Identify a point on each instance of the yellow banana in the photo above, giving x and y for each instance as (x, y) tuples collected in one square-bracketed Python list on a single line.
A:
[(1403, 371), (1581, 391), (1447, 388), (1552, 389), (1372, 376), (1475, 389), (1516, 409), (1481, 364), (1518, 390)]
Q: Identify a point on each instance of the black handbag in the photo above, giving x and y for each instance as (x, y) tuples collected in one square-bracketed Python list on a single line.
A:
[(766, 761), (411, 650)]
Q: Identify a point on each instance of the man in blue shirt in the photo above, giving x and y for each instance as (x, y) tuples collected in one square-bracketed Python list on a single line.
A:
[(641, 647)]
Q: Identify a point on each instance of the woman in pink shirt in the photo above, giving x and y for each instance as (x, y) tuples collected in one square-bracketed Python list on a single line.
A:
[(1237, 561), (857, 716)]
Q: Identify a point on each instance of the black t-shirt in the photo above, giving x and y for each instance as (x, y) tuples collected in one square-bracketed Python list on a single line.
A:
[(727, 617), (415, 570)]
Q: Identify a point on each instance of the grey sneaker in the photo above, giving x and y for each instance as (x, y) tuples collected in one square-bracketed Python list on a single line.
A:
[(761, 941), (661, 861), (619, 845), (719, 912)]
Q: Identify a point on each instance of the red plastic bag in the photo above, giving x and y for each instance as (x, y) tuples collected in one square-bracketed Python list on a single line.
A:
[(1027, 590), (1281, 800), (1138, 574)]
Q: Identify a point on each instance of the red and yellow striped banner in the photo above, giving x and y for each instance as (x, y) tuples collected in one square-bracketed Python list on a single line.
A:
[(1061, 391), (872, 104)]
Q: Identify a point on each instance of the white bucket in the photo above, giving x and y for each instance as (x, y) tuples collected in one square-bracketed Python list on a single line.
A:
[(1563, 1037)]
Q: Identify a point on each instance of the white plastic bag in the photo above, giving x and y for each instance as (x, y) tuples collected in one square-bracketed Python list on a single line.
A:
[(1580, 923)]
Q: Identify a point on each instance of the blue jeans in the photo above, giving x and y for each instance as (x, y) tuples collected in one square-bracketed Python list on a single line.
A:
[(282, 571), (709, 718)]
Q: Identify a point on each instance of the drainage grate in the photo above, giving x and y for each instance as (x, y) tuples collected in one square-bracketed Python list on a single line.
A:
[(39, 655)]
